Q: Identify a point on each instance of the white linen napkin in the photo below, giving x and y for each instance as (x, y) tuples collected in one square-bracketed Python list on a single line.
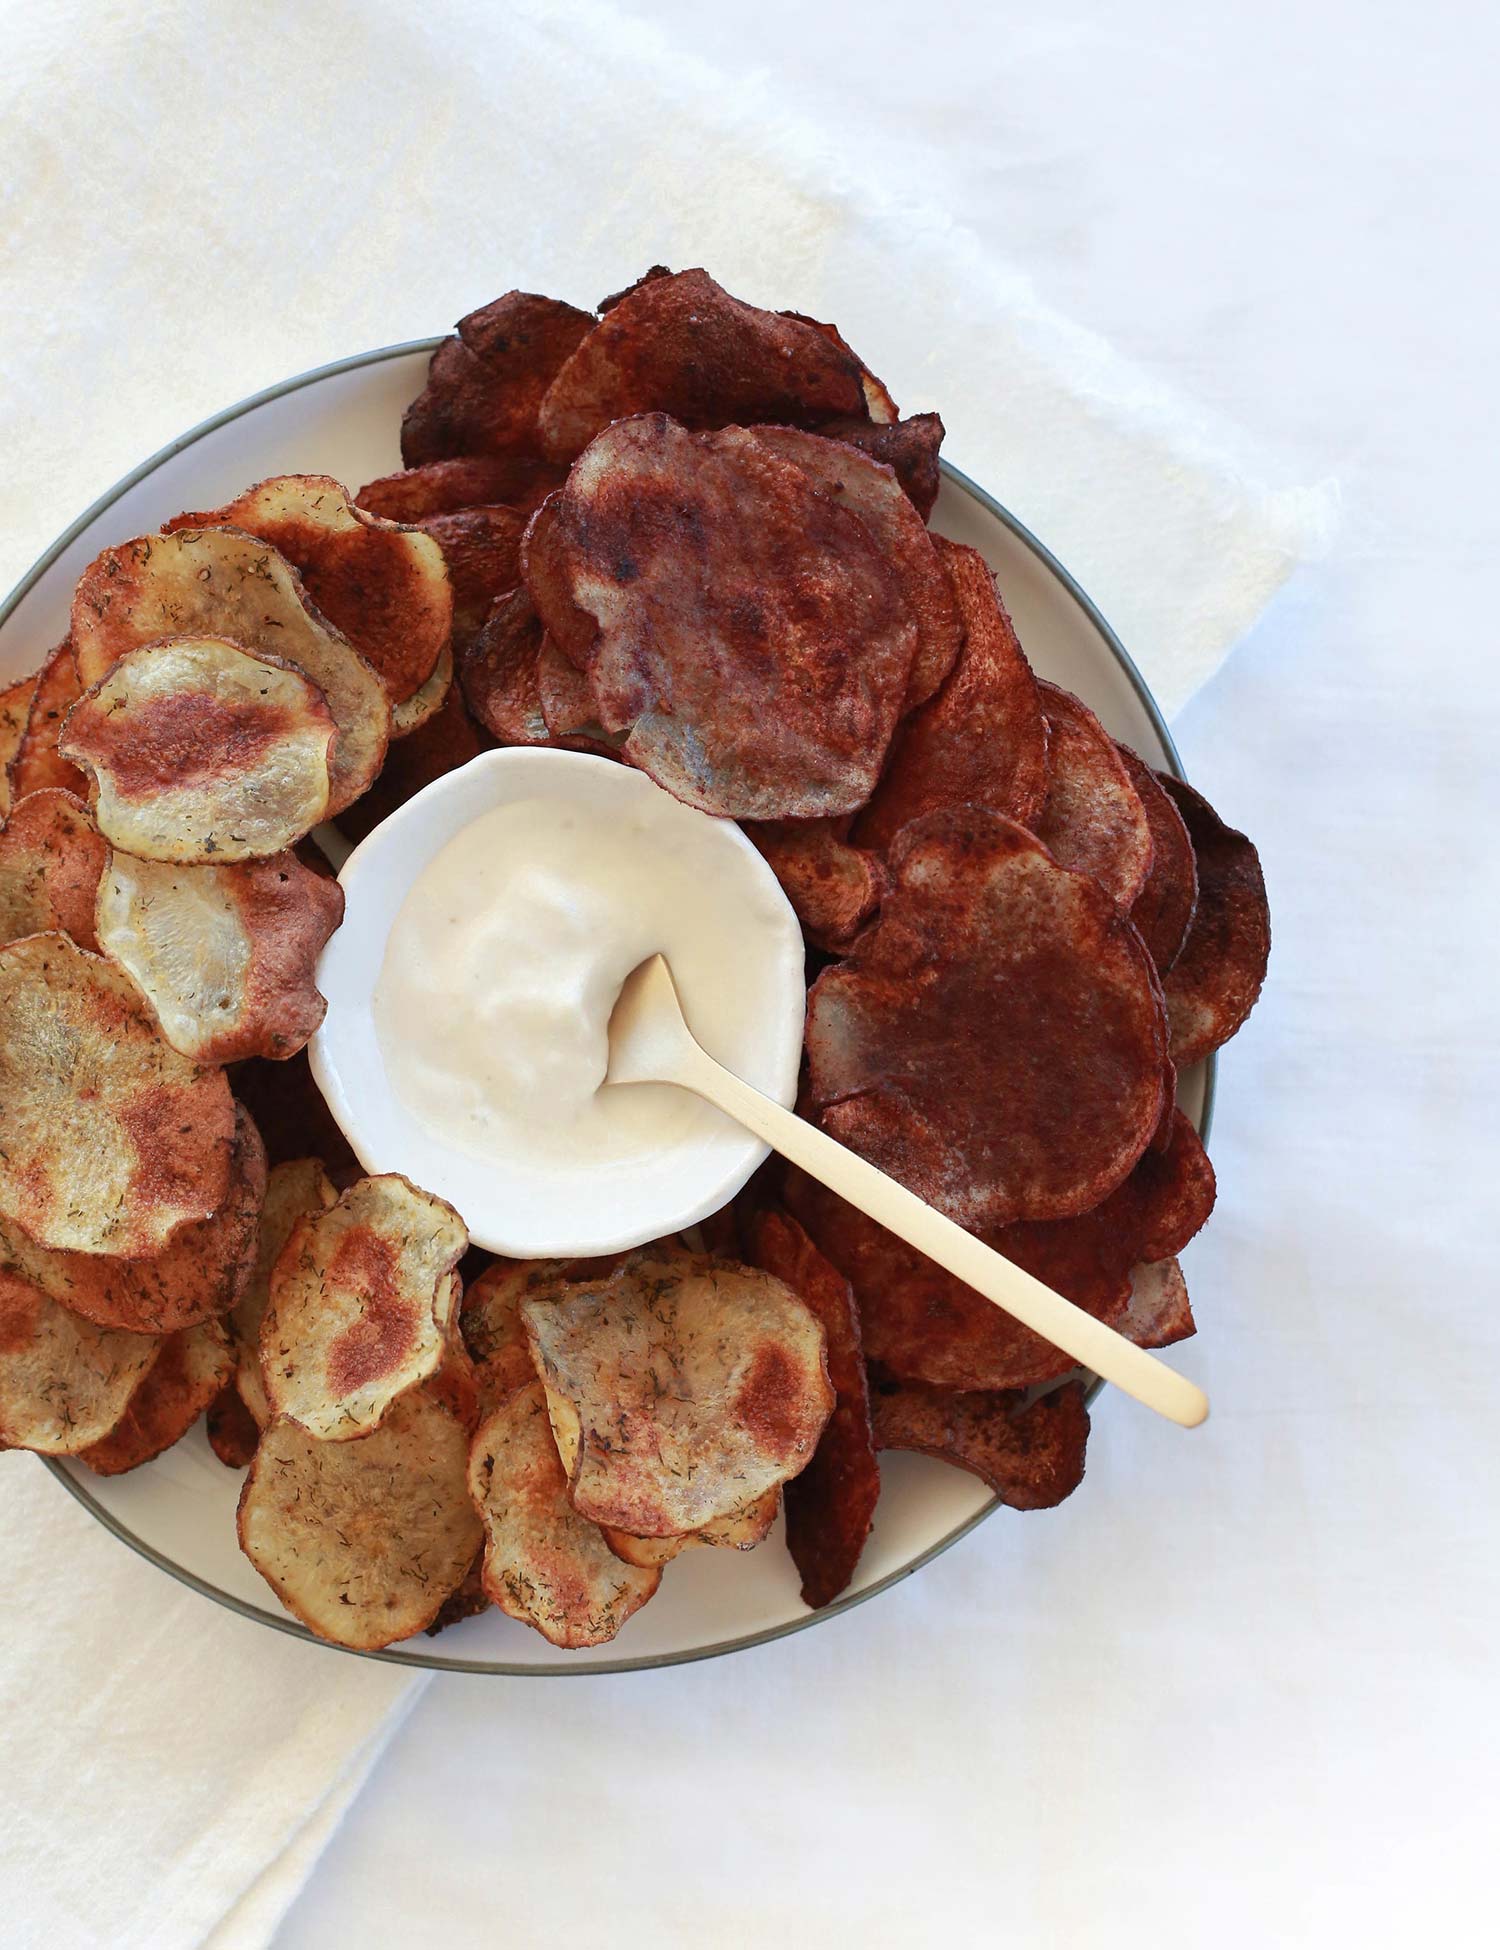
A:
[(199, 202)]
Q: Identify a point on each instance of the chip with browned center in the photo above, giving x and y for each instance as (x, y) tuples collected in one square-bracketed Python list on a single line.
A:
[(360, 1306), (1093, 819), (109, 1139), (295, 1188), (744, 630), (544, 1563), (1030, 1453), (680, 1388), (1163, 909), (996, 1041), (51, 857), (64, 1383), (227, 956), (382, 584), (222, 582), (835, 888), (197, 750), (485, 384), (1213, 984), (35, 764), (443, 487), (482, 550), (363, 1541), (181, 1383)]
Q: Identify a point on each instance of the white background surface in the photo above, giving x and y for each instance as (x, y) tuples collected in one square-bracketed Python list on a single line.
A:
[(1241, 1689)]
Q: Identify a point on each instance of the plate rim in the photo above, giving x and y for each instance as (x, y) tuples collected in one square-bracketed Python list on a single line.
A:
[(654, 1661)]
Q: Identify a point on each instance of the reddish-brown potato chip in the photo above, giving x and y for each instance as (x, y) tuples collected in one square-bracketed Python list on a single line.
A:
[(831, 1505), (1213, 984), (1159, 1314), (109, 1140), (15, 709), (1030, 1453), (982, 740), (291, 1113), (363, 1541), (423, 706), (910, 447), (996, 1040), (567, 702), (233, 1432), (226, 956), (296, 1188), (484, 386), (36, 765), (482, 548), (197, 750), (382, 584), (191, 1368), (1093, 819), (681, 345), (64, 1383), (680, 1388), (834, 887), (1163, 909), (51, 857), (449, 738), (749, 637), (543, 1563), (497, 672), (443, 487)]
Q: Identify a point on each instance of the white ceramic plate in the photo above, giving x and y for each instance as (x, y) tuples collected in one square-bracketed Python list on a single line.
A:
[(179, 1511)]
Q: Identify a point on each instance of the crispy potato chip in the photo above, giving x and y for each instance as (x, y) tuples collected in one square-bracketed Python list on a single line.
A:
[(295, 1189), (1213, 984), (360, 1306), (443, 487), (15, 709), (181, 1383), (484, 386), (749, 636), (220, 582), (831, 1505), (909, 447), (1159, 1314), (424, 705), (456, 1383), (470, 1599), (290, 1112), (1163, 909), (64, 1383), (695, 1385), (834, 887), (491, 1323), (497, 672), (233, 1432), (1093, 819), (741, 1530), (996, 1040), (383, 584), (543, 1563), (482, 549), (109, 1140), (363, 1541), (982, 740), (226, 956), (681, 345), (197, 750), (1030, 1453), (51, 857), (36, 765), (448, 739)]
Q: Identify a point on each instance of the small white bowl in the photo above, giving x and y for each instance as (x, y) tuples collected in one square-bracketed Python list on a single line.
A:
[(534, 1209)]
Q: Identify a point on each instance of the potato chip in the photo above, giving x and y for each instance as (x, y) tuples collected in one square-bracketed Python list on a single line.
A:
[(835, 888), (36, 765), (681, 345), (544, 1563), (448, 739), (1214, 982), (51, 857), (424, 705), (220, 582), (1159, 1314), (197, 750), (497, 672), (1031, 1454), (383, 584), (567, 703), (831, 1505), (226, 956), (1163, 909), (1093, 819), (982, 740), (456, 1383), (109, 1140), (484, 386), (296, 1188), (233, 1432), (64, 1383), (360, 1305), (15, 709), (694, 1385), (908, 447), (741, 1530), (363, 1541), (491, 1323), (750, 638), (443, 487), (181, 1383), (482, 550), (996, 1040), (470, 1598)]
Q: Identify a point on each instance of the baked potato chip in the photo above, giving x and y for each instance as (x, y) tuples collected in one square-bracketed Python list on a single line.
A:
[(295, 1189), (741, 1530), (226, 956), (1163, 910), (360, 1306), (443, 487), (1214, 982), (197, 750), (181, 1383), (491, 1323), (543, 1563), (363, 1541), (1030, 1453), (497, 672), (1159, 1314), (680, 1388), (834, 887), (109, 1140), (232, 1430), (908, 447), (64, 1383), (36, 765), (15, 709), (485, 384), (470, 1598), (51, 857), (482, 550), (1093, 819), (424, 705), (221, 582)]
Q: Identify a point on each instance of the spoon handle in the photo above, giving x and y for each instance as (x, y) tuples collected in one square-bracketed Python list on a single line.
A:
[(1089, 1341)]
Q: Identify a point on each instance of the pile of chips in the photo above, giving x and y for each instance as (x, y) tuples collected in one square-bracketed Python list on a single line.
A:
[(691, 535)]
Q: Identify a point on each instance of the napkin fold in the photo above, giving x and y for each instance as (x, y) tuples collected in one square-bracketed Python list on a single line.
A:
[(198, 202)]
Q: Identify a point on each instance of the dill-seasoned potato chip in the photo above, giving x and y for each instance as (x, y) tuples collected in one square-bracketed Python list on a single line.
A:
[(491, 1322), (544, 1563), (35, 765), (191, 1368), (226, 956), (221, 582), (295, 1189), (64, 1383), (467, 1601), (1093, 819), (109, 1140), (741, 1530), (1030, 1453), (197, 750), (51, 857), (15, 709), (360, 1307), (363, 1541), (691, 1386)]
